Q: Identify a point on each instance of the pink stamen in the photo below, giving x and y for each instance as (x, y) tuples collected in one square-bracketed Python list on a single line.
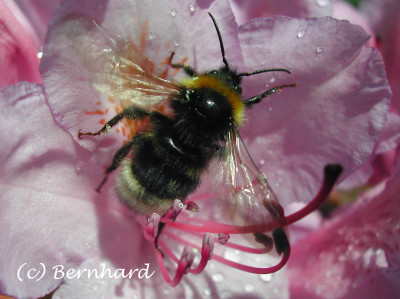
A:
[(255, 270), (151, 229), (207, 249), (183, 266), (173, 211)]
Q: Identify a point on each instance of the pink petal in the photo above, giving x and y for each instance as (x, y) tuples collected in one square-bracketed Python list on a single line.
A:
[(335, 113), (356, 254), (38, 205), (39, 13), (344, 11), (18, 47), (246, 10), (384, 19)]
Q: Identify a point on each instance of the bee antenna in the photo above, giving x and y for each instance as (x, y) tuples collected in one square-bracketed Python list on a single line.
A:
[(221, 43)]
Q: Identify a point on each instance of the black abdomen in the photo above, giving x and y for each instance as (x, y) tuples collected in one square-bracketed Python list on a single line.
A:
[(164, 168)]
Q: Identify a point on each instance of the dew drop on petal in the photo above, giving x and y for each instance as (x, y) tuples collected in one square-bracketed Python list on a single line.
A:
[(231, 255), (262, 162), (217, 277), (381, 260), (166, 291), (207, 292), (39, 54), (300, 34), (95, 287), (78, 167), (319, 49), (173, 12), (266, 277), (176, 43), (272, 80), (322, 3), (269, 109), (192, 6), (152, 35), (248, 287)]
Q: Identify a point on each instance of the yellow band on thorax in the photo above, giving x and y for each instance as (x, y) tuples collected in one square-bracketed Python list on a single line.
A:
[(230, 94)]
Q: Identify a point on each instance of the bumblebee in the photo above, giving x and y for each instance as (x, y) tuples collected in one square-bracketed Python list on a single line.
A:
[(167, 160)]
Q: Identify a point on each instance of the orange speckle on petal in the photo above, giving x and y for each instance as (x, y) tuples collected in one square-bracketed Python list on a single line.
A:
[(95, 112), (102, 121), (123, 131), (98, 103)]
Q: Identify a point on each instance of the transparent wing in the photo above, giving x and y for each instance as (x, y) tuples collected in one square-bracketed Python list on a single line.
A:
[(118, 68), (243, 191)]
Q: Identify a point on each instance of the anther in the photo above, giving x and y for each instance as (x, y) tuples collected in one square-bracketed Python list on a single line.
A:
[(151, 229), (281, 241), (173, 211), (192, 206), (264, 240), (223, 238)]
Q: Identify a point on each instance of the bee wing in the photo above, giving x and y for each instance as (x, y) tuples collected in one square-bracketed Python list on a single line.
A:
[(118, 68), (245, 195)]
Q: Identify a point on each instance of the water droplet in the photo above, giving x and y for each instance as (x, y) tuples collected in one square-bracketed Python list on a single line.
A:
[(152, 35), (262, 161), (166, 291), (173, 12), (207, 292), (266, 277), (176, 43), (39, 54), (192, 6), (248, 287), (322, 3), (300, 34), (269, 109), (95, 287), (272, 80), (217, 277), (319, 49), (78, 167), (381, 260)]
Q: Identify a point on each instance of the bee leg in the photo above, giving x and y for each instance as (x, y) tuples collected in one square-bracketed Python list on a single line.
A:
[(131, 112), (160, 227), (120, 154), (257, 99), (186, 68)]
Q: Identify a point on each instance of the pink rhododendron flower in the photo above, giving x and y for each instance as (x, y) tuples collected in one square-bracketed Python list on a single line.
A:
[(355, 255), (18, 46), (50, 210)]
